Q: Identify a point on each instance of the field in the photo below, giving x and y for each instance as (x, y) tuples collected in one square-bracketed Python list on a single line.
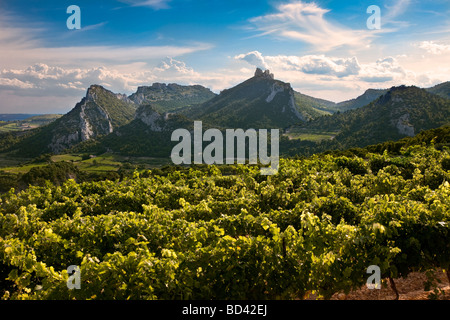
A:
[(27, 124), (310, 134), (102, 163), (226, 232)]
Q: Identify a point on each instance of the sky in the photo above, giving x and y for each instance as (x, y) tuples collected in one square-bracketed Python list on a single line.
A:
[(326, 49)]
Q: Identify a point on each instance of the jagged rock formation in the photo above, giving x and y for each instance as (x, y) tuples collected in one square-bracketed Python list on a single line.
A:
[(148, 115), (99, 113), (403, 125), (263, 74), (92, 117)]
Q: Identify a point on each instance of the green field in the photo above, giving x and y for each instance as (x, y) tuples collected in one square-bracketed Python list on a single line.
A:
[(103, 163), (310, 135)]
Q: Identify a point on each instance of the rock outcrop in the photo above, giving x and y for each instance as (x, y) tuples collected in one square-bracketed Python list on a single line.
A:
[(97, 114), (263, 74), (148, 115)]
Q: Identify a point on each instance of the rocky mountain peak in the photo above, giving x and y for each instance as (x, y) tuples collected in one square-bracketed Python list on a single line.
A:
[(91, 93), (263, 74)]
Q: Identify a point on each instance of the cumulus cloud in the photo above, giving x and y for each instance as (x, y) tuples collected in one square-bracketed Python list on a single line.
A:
[(46, 87), (434, 48), (327, 68), (337, 78), (310, 64), (254, 58), (383, 70), (318, 64), (41, 79)]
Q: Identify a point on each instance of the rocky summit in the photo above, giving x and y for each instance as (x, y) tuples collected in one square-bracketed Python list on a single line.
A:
[(259, 102)]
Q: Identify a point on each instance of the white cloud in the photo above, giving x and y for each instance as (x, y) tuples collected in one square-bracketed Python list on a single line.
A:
[(318, 64), (434, 48), (40, 83), (306, 22), (93, 55), (14, 83), (383, 70), (338, 79), (254, 58), (309, 64), (154, 4), (55, 80), (395, 10)]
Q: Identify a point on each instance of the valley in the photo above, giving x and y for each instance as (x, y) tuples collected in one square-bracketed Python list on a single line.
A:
[(97, 187)]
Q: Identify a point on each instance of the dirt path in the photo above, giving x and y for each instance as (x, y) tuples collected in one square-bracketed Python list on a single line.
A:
[(409, 288)]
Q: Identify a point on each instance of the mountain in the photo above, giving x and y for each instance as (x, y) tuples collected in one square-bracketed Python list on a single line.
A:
[(260, 102), (442, 89), (402, 111), (367, 97), (99, 113), (141, 124), (312, 108), (171, 97), (149, 134)]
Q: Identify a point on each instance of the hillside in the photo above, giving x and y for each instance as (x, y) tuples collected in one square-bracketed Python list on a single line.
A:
[(149, 134), (171, 97), (312, 108), (367, 97), (402, 111), (259, 102), (442, 89), (99, 113)]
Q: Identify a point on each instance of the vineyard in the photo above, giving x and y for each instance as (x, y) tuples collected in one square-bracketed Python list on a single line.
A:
[(227, 232)]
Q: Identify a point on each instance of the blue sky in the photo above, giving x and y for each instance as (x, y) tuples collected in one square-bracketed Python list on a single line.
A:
[(323, 48)]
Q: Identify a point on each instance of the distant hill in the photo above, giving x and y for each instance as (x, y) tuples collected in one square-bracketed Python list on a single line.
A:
[(314, 107), (171, 97), (28, 123), (367, 97), (442, 89), (401, 112), (15, 116)]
